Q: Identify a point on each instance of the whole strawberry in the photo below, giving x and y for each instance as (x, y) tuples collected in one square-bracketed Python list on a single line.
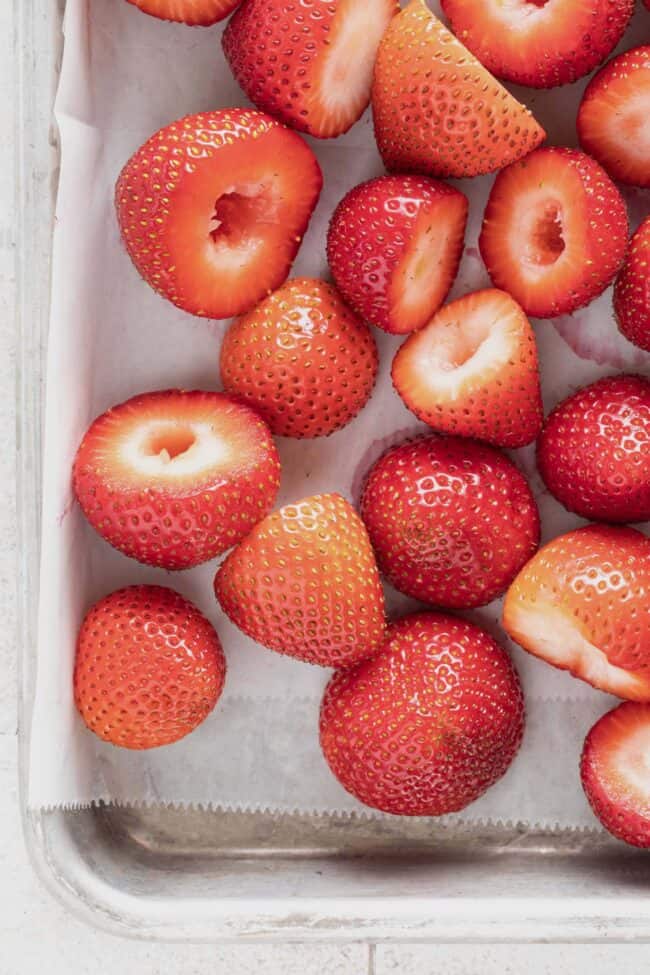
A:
[(430, 723), (451, 521), (594, 451), (149, 667), (195, 13), (302, 359), (175, 478), (305, 583), (632, 289)]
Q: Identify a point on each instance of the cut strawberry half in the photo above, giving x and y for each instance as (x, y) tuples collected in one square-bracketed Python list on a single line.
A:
[(195, 13), (615, 772), (554, 232), (632, 290), (309, 64), (212, 209), (613, 117), (473, 371), (394, 246)]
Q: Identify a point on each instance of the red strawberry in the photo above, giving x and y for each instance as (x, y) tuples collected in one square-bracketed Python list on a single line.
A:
[(554, 232), (302, 358), (632, 290), (305, 583), (429, 724), (212, 209), (394, 247), (473, 371), (540, 44), (614, 772), (437, 110), (308, 63), (175, 478), (149, 667), (594, 451), (582, 605), (613, 117), (199, 13), (451, 521)]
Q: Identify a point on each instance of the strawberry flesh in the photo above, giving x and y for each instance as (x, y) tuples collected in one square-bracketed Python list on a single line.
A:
[(632, 290), (195, 13)]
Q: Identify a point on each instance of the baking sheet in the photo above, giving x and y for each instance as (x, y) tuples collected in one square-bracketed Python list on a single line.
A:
[(124, 75)]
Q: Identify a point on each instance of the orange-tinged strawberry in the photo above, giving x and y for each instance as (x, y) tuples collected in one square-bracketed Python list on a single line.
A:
[(302, 359), (473, 371), (175, 478), (437, 110), (196, 13), (394, 246), (212, 209), (632, 290), (582, 604), (149, 667), (305, 583), (554, 232), (430, 723), (613, 117), (308, 62)]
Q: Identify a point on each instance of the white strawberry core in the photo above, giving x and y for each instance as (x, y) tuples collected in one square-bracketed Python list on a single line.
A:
[(418, 277), (624, 128), (630, 762), (160, 448)]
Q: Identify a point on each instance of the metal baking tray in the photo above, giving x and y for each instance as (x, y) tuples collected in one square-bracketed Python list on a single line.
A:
[(156, 872)]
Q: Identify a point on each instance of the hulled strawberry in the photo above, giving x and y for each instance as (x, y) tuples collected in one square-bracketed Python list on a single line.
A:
[(451, 521), (613, 117), (212, 209), (539, 44), (582, 605), (437, 111), (175, 478), (149, 667), (473, 371), (305, 583), (632, 290), (594, 451), (554, 232), (394, 246), (430, 723), (302, 359), (614, 772), (196, 13), (309, 64)]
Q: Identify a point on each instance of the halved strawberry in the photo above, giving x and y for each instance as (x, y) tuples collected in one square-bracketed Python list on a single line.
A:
[(196, 13), (613, 117), (536, 42), (213, 207), (632, 290), (615, 772), (394, 246), (302, 359), (437, 110), (582, 605), (175, 478), (310, 64), (554, 232), (473, 371), (305, 583)]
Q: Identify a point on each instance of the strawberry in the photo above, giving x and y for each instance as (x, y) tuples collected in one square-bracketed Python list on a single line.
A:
[(473, 371), (614, 772), (554, 232), (451, 521), (536, 43), (582, 605), (394, 246), (196, 13), (632, 290), (594, 451), (149, 667), (613, 117), (213, 207), (430, 723), (437, 110), (310, 64), (175, 478), (305, 583), (302, 359)]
